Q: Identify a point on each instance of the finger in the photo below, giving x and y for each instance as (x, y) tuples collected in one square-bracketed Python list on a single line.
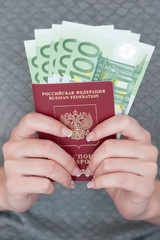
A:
[(125, 181), (34, 122), (32, 184), (123, 124), (38, 148), (121, 149), (128, 165), (40, 168)]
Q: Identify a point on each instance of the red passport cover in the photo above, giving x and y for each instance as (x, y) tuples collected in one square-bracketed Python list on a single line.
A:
[(79, 106)]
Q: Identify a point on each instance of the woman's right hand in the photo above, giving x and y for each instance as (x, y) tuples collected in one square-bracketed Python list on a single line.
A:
[(31, 164)]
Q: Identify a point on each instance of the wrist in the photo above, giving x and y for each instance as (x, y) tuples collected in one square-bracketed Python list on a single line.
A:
[(152, 211)]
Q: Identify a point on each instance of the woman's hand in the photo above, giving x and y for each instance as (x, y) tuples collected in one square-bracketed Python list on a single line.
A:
[(127, 167), (31, 164)]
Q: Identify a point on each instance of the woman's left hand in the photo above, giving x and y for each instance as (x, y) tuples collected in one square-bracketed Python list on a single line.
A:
[(126, 167)]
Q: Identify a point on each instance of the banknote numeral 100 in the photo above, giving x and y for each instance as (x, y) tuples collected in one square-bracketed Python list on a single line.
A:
[(68, 47), (85, 63)]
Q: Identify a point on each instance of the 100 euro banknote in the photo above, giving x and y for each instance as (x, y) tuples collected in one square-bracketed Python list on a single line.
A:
[(66, 46), (30, 47), (68, 36), (43, 43), (123, 61), (74, 52), (45, 49)]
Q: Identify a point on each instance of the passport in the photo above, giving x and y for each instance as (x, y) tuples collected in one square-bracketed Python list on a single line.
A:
[(79, 106)]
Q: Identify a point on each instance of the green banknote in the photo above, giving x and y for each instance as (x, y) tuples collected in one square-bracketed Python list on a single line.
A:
[(74, 52), (69, 30), (30, 48), (43, 42), (53, 49), (123, 61), (66, 46), (68, 36), (86, 27), (65, 49), (104, 29)]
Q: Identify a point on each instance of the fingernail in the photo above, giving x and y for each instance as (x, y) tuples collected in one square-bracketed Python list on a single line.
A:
[(67, 132), (88, 172), (72, 184), (76, 172), (90, 136), (90, 184)]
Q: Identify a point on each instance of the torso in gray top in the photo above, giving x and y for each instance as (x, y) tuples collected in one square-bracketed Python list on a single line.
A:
[(80, 213)]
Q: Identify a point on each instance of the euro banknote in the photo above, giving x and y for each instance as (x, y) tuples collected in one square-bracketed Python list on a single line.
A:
[(99, 58), (74, 52), (43, 43), (30, 47)]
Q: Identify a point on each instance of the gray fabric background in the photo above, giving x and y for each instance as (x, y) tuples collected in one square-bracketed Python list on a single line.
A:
[(79, 213)]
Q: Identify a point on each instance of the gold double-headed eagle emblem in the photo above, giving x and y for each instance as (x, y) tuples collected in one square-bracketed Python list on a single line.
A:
[(79, 123)]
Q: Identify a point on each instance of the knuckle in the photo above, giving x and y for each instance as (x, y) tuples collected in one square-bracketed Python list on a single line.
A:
[(104, 166), (6, 148), (47, 147), (148, 135), (121, 179), (12, 186), (101, 181), (154, 152), (9, 149), (50, 167), (152, 170), (8, 165), (98, 129), (125, 120), (107, 165), (151, 152), (29, 118), (110, 163), (46, 186), (108, 144)]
